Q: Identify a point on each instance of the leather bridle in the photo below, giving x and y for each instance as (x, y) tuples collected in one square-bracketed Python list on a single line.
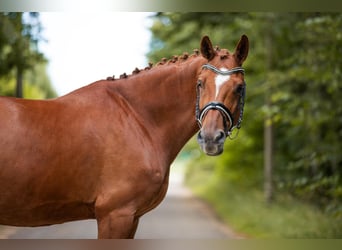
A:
[(224, 111)]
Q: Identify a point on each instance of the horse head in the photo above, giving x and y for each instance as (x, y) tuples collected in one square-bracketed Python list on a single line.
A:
[(220, 94)]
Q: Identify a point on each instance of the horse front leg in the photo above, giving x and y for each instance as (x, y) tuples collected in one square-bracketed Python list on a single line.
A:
[(116, 225)]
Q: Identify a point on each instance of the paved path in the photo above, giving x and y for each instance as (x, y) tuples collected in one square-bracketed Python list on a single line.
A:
[(179, 216)]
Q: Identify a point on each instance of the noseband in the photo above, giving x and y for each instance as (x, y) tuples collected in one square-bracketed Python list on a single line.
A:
[(224, 111)]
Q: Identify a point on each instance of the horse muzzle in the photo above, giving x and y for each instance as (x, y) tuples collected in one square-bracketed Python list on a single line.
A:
[(211, 143)]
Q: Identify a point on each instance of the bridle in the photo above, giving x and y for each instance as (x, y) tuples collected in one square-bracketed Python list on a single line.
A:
[(224, 111)]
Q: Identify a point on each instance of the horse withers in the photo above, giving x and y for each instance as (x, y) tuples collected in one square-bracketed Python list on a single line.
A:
[(104, 151)]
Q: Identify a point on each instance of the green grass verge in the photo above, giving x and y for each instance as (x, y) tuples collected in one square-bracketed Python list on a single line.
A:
[(245, 211)]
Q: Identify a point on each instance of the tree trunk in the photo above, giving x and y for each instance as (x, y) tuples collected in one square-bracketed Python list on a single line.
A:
[(268, 124), (268, 160), (19, 87)]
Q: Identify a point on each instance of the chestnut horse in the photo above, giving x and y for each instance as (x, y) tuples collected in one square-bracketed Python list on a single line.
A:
[(104, 150)]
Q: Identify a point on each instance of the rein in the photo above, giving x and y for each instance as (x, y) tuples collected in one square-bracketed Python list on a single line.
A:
[(224, 111)]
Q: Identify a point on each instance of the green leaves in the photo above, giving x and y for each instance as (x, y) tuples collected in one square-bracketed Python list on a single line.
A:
[(19, 54), (295, 64)]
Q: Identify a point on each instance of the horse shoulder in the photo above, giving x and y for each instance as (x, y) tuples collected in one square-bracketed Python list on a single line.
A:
[(134, 176)]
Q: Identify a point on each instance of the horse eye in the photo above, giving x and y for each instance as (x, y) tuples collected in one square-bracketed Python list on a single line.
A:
[(200, 84)]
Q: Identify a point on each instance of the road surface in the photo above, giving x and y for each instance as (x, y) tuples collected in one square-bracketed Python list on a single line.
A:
[(179, 216)]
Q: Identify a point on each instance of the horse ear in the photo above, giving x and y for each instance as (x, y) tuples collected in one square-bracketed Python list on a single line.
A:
[(207, 49), (241, 50)]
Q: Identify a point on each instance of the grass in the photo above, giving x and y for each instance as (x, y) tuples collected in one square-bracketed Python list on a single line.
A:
[(246, 212)]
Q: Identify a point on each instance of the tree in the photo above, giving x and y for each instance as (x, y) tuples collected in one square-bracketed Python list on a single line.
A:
[(293, 76), (19, 36), (313, 106)]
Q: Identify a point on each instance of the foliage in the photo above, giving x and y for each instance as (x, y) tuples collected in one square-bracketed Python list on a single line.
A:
[(39, 78), (37, 84), (295, 59), (312, 123), (18, 41), (19, 37), (244, 210)]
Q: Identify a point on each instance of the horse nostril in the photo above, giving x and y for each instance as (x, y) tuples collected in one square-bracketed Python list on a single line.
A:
[(219, 136)]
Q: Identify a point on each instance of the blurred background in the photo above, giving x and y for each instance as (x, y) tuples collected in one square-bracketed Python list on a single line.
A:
[(281, 177)]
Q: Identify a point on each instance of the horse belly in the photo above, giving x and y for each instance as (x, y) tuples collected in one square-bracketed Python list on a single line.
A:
[(35, 195), (47, 214), (40, 189)]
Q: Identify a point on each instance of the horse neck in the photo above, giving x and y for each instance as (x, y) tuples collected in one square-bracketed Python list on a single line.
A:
[(164, 99)]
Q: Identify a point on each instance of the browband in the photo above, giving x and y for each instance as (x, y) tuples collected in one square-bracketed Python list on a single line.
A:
[(225, 72)]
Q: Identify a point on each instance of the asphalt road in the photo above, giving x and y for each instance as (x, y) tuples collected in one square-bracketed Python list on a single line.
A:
[(179, 216)]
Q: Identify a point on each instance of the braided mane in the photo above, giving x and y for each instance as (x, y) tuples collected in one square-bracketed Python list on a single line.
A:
[(163, 61)]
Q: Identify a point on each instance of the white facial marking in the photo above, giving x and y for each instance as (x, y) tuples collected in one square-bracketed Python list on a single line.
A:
[(220, 80)]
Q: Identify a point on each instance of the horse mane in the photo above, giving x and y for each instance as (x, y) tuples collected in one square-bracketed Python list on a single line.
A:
[(164, 61)]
